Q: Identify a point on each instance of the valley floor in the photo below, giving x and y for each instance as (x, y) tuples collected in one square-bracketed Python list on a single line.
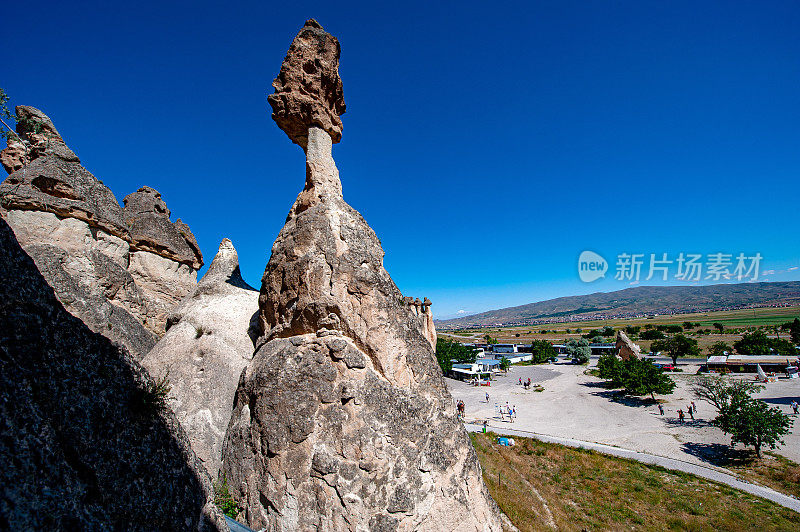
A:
[(576, 405)]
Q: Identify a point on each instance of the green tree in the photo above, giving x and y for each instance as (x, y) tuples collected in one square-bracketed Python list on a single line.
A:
[(541, 351), (642, 377), (749, 421), (505, 364), (719, 349), (632, 329), (754, 343), (635, 376), (651, 334), (223, 498), (579, 350), (677, 346), (608, 367), (756, 424), (719, 327), (794, 331), (448, 350)]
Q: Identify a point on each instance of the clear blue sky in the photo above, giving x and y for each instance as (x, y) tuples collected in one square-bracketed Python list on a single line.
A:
[(487, 143)]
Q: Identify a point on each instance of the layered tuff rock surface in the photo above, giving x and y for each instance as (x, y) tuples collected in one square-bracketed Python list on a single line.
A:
[(85, 441), (209, 341), (308, 89), (119, 270), (626, 348), (342, 420)]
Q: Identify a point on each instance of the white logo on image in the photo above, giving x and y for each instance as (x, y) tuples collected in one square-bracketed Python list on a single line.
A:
[(591, 266)]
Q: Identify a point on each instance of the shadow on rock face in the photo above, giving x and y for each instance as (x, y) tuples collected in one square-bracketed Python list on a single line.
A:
[(86, 439)]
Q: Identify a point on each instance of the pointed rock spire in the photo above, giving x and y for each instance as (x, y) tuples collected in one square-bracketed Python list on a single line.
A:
[(207, 345)]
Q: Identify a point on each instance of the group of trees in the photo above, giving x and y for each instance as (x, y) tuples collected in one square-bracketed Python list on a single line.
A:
[(747, 420), (758, 343), (448, 350), (594, 334), (651, 334), (635, 376), (793, 327)]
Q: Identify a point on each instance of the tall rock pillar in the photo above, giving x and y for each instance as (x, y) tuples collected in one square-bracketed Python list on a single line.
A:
[(342, 420)]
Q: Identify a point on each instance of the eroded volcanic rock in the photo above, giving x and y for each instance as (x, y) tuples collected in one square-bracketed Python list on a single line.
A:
[(626, 348), (147, 218), (207, 345), (119, 270), (85, 443), (342, 420), (308, 89)]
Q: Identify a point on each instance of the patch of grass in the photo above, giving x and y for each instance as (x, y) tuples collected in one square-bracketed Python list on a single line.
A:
[(223, 499), (151, 397), (585, 490), (773, 470)]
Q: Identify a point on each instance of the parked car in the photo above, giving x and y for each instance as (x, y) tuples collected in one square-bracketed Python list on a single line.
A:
[(669, 367), (552, 360)]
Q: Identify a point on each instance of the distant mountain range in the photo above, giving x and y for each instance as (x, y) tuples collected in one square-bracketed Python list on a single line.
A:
[(637, 301)]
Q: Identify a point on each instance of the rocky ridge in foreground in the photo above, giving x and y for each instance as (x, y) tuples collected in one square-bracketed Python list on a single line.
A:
[(86, 441)]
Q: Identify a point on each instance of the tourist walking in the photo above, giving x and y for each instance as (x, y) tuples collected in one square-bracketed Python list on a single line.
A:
[(487, 397), (691, 412), (795, 407), (485, 424), (694, 407), (661, 409), (681, 417)]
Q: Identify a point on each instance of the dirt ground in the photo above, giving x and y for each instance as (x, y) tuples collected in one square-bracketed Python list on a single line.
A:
[(575, 405)]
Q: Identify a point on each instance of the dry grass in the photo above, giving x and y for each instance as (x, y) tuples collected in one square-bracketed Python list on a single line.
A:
[(773, 470), (535, 483)]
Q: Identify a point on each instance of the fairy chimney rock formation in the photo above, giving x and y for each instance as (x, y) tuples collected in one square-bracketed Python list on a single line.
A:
[(626, 348), (207, 345), (342, 420), (308, 90), (119, 270)]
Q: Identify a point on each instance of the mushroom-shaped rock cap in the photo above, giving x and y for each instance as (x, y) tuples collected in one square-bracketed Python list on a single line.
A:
[(308, 89)]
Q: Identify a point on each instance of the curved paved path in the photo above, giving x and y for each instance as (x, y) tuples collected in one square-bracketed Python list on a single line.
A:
[(667, 463)]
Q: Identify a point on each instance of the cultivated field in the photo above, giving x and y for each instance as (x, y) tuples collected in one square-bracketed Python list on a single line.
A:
[(731, 319)]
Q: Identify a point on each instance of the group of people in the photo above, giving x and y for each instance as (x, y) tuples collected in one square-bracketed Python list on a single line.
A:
[(525, 384), (507, 410), (691, 409)]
